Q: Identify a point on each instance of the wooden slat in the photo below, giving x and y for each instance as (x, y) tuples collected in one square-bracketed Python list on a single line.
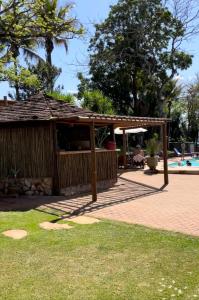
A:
[(75, 169), (27, 149)]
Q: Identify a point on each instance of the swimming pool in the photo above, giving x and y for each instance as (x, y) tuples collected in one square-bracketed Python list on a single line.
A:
[(194, 163)]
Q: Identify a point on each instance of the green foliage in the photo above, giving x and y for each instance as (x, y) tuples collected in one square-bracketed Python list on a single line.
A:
[(153, 145), (192, 100), (25, 25), (97, 102), (21, 76), (24, 77), (56, 27), (69, 98), (133, 55), (46, 74)]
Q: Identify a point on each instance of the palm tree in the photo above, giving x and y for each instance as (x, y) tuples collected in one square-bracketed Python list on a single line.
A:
[(57, 28), (14, 24)]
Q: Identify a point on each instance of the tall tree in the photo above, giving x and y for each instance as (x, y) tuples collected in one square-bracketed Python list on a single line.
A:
[(134, 56), (192, 101), (16, 21), (27, 24), (56, 27)]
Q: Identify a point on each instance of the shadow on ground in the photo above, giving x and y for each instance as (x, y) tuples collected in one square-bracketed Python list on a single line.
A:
[(125, 190)]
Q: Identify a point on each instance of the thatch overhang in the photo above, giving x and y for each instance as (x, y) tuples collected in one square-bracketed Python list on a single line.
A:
[(44, 108)]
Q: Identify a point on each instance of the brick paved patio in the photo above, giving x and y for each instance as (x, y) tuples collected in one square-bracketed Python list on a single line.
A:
[(137, 199), (175, 209)]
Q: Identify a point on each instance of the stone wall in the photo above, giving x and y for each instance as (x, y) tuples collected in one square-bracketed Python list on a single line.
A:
[(26, 186), (43, 187)]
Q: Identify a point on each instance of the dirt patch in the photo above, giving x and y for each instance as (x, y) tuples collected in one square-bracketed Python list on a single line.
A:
[(15, 234), (84, 220), (54, 226)]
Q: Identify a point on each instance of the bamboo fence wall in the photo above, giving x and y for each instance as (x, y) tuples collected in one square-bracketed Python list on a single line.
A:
[(28, 150), (75, 169)]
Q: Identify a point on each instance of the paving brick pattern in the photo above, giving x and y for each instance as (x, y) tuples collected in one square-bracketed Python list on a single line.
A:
[(175, 209)]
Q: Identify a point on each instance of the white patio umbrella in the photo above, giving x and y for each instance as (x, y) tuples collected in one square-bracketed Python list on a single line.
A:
[(133, 130)]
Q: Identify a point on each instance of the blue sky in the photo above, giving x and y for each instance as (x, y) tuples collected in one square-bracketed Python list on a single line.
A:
[(89, 12)]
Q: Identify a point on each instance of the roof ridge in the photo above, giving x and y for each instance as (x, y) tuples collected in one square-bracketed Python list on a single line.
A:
[(47, 104)]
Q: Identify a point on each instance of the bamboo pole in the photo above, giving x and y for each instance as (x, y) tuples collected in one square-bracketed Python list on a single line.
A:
[(93, 163), (165, 156), (124, 147)]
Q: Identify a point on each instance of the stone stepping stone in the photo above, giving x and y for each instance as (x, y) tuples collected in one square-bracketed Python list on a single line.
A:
[(16, 234), (84, 220), (54, 226)]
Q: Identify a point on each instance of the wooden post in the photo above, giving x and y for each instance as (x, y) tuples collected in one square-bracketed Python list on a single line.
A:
[(56, 187), (166, 176), (112, 133), (124, 147), (93, 163)]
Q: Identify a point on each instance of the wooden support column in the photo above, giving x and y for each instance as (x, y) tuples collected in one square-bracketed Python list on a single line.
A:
[(165, 156), (124, 148), (93, 163), (112, 133), (55, 173)]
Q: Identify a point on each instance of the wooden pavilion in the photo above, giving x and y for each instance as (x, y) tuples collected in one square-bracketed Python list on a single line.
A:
[(48, 147)]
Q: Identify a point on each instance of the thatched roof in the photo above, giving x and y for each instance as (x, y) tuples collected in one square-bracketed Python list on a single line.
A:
[(44, 108), (39, 107), (6, 102)]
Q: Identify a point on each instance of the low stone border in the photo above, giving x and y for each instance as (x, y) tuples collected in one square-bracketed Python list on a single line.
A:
[(190, 172), (26, 186)]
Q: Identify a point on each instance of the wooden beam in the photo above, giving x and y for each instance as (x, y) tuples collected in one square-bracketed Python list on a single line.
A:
[(122, 122), (116, 123), (124, 148), (165, 155), (93, 163)]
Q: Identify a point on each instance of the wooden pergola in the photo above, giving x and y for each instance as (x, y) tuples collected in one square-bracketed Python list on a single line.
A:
[(124, 123)]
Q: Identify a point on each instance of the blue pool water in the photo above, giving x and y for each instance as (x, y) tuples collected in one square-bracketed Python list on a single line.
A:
[(194, 163)]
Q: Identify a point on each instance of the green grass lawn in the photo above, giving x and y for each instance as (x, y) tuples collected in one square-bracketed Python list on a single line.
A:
[(108, 260)]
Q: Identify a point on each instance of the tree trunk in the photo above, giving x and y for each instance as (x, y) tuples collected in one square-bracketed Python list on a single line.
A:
[(49, 49), (134, 92), (16, 84), (15, 50)]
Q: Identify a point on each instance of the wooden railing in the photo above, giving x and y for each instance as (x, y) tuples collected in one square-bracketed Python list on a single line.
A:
[(74, 168)]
